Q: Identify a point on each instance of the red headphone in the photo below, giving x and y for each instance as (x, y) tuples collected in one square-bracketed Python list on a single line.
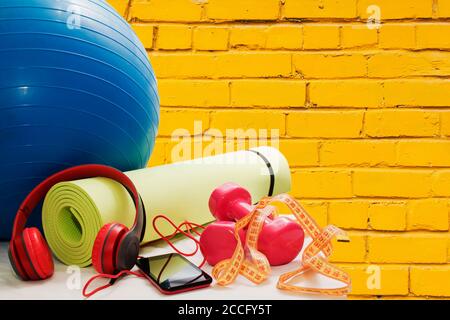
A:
[(116, 248)]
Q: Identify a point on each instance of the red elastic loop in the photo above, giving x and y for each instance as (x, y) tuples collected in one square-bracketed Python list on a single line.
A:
[(107, 276), (179, 229)]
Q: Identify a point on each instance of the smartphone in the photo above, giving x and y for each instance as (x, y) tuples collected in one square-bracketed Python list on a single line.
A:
[(172, 273)]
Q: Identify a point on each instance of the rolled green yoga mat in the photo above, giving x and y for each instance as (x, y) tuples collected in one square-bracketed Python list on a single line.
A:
[(74, 211)]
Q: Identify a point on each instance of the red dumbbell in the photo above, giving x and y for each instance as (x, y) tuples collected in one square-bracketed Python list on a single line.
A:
[(280, 240)]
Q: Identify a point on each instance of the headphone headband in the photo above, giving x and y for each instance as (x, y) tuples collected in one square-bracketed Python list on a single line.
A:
[(76, 173)]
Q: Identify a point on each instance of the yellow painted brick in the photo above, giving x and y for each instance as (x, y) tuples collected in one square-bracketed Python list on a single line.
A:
[(443, 8), (320, 9), (407, 248), (317, 210), (194, 93), (320, 65), (320, 36), (172, 37), (268, 93), (358, 35), (242, 9), (259, 65), (172, 120), (145, 33), (163, 10), (300, 152), (353, 251), (400, 123), (211, 38), (322, 124), (250, 37), (399, 64), (182, 149), (257, 120), (398, 36), (428, 214), (441, 183), (348, 214), (284, 37), (387, 216), (430, 280), (445, 124), (221, 65), (321, 184), (159, 153), (424, 153), (396, 9), (420, 93), (433, 35), (357, 153), (120, 6), (394, 280), (392, 183), (348, 93)]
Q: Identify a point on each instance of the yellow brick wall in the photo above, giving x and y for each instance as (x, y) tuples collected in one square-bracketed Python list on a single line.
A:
[(363, 114)]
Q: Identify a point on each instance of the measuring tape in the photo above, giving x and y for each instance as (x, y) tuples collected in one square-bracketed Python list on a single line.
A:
[(257, 267)]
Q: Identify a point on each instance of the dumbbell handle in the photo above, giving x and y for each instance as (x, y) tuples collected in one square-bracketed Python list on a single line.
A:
[(240, 209)]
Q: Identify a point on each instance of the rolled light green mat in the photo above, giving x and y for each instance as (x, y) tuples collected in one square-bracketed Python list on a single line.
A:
[(73, 212)]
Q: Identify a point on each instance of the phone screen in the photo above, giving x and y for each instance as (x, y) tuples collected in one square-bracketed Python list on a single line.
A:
[(173, 272)]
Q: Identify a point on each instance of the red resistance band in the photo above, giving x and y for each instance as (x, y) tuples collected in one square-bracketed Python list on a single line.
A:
[(186, 228)]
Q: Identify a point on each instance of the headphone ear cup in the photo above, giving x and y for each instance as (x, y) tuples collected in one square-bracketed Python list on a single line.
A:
[(38, 253), (104, 252)]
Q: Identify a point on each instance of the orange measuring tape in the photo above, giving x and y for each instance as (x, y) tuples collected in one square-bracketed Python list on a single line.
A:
[(257, 267)]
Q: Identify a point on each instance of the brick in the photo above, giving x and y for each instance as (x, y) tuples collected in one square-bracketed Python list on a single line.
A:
[(401, 123), (320, 36), (348, 214), (445, 124), (317, 210), (211, 38), (268, 93), (397, 36), (443, 9), (420, 93), (357, 153), (428, 214), (441, 183), (433, 36), (194, 93), (358, 35), (300, 152), (322, 124), (399, 64), (349, 93), (407, 248), (163, 10), (394, 280), (249, 37), (158, 156), (353, 251), (242, 9), (430, 281), (284, 37), (172, 120), (321, 184), (320, 9), (387, 216), (174, 37), (397, 9), (221, 65), (145, 33), (424, 153), (121, 6), (392, 183), (185, 149), (256, 120), (319, 65)]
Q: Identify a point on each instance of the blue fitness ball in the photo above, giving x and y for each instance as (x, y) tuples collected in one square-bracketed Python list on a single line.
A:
[(76, 87)]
